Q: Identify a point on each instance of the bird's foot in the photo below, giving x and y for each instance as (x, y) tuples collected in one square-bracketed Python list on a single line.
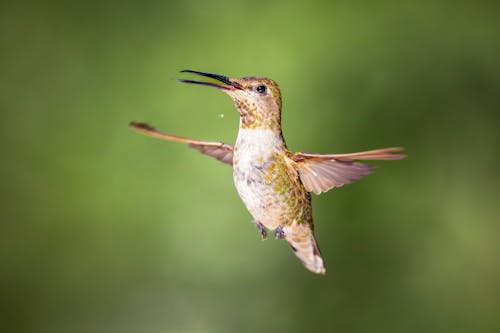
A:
[(279, 233), (261, 229)]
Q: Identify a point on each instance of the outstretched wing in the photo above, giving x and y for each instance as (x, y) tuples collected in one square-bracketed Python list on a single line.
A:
[(218, 150), (320, 173)]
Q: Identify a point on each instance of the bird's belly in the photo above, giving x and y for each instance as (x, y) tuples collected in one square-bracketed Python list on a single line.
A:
[(261, 201), (269, 201)]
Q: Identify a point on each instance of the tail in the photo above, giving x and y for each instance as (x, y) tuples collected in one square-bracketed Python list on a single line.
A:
[(301, 240)]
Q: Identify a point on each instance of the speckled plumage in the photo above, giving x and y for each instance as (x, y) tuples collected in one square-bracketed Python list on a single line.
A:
[(271, 189), (273, 193), (274, 183), (267, 183)]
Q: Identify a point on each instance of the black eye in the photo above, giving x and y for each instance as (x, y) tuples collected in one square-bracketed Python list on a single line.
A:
[(261, 89)]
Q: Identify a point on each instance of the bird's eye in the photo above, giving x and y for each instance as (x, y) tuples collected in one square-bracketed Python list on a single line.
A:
[(261, 89)]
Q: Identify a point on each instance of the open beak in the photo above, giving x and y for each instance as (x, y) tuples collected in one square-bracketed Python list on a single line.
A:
[(229, 85)]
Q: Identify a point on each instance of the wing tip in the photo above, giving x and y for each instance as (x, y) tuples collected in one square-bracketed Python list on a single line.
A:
[(140, 126), (391, 153)]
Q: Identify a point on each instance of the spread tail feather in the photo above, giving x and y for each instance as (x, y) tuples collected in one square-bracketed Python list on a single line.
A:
[(301, 240)]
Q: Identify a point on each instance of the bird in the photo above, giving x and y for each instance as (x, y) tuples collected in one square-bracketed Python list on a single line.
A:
[(274, 183)]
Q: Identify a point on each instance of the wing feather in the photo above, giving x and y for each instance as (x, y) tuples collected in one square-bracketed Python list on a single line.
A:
[(218, 150), (322, 172)]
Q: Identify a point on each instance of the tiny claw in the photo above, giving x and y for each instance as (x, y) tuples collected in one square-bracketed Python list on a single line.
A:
[(261, 229), (279, 233)]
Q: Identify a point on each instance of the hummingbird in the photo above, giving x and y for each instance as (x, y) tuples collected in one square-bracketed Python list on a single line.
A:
[(274, 183)]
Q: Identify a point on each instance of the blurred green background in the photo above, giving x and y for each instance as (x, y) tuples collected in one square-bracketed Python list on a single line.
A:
[(106, 230)]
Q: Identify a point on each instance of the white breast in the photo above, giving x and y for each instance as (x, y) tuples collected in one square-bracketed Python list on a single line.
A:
[(255, 143), (253, 150)]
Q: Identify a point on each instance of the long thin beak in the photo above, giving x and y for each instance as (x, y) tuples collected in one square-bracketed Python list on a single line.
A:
[(230, 85)]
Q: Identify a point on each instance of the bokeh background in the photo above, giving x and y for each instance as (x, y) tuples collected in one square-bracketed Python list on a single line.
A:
[(106, 230)]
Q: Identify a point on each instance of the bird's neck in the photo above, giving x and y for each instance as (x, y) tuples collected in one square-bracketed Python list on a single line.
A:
[(261, 139), (255, 116)]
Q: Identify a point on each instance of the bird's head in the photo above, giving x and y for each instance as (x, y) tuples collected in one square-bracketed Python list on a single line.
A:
[(258, 99)]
